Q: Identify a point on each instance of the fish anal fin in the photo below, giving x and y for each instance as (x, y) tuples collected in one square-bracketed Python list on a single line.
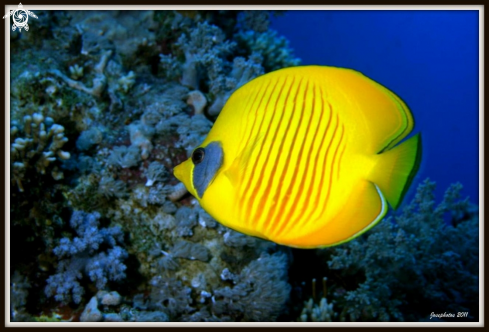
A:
[(364, 208)]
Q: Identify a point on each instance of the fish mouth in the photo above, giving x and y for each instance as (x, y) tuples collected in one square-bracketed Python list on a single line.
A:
[(183, 173), (178, 172)]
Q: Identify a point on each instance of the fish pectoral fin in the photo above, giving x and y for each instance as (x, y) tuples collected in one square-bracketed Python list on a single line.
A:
[(233, 173), (237, 169)]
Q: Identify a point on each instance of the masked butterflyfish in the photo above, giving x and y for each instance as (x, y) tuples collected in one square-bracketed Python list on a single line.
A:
[(306, 156)]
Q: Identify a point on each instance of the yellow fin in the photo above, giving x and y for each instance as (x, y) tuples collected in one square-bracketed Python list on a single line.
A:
[(396, 168), (237, 167), (362, 210), (233, 173)]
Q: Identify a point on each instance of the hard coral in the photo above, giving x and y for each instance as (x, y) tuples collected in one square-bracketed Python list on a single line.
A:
[(41, 144)]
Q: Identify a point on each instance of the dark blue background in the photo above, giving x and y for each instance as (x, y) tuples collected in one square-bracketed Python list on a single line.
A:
[(429, 58)]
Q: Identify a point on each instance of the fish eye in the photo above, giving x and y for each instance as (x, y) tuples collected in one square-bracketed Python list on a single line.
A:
[(198, 156)]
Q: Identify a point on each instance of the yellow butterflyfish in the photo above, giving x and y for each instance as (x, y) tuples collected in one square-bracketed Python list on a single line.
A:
[(306, 156)]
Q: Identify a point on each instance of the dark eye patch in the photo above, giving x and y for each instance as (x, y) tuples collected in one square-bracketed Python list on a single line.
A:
[(207, 162), (198, 156)]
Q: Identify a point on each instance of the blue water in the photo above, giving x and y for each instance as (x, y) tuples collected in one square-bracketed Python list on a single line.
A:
[(429, 58)]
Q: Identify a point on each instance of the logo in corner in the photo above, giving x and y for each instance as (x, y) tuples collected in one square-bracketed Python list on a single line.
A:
[(20, 17)]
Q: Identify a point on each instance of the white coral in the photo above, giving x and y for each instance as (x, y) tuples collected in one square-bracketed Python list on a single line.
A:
[(42, 142)]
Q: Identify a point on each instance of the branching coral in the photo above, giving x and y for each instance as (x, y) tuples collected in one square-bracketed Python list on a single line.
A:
[(204, 49), (186, 220), (41, 144), (192, 132), (170, 66)]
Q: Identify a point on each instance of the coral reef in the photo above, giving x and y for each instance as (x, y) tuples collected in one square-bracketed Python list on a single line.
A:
[(109, 103)]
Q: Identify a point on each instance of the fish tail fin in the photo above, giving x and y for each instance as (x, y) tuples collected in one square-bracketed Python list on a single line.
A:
[(396, 169)]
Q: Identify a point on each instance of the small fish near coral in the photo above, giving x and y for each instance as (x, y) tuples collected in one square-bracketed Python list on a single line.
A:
[(306, 156)]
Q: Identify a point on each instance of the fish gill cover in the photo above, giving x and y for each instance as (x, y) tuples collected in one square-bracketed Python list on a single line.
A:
[(103, 104)]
